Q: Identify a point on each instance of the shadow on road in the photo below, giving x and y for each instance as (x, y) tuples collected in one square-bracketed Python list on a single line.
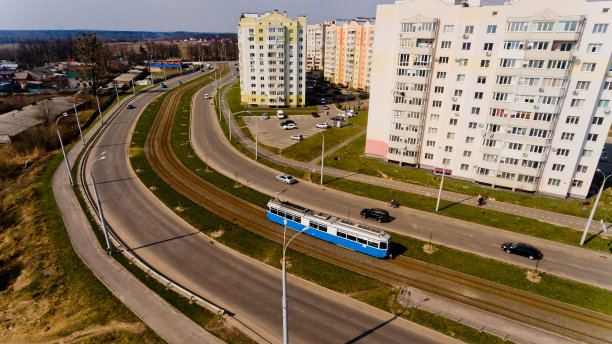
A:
[(165, 240), (372, 330), (459, 202)]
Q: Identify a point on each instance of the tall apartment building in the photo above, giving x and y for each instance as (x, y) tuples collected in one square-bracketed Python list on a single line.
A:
[(272, 59), (348, 52), (315, 46), (514, 95)]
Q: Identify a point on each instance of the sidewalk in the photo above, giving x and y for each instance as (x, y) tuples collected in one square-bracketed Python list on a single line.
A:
[(557, 219), (167, 322)]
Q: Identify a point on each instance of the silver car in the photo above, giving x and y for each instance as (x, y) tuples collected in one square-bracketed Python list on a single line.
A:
[(285, 178)]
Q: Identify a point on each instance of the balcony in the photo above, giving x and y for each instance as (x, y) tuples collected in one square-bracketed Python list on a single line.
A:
[(548, 55), (419, 34)]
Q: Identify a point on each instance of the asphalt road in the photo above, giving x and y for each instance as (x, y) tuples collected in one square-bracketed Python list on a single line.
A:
[(247, 288), (563, 260)]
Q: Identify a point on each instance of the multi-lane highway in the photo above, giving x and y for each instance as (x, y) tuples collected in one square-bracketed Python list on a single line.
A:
[(563, 260), (248, 289)]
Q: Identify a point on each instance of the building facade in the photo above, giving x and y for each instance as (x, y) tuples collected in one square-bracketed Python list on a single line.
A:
[(315, 46), (514, 95), (348, 52), (272, 59)]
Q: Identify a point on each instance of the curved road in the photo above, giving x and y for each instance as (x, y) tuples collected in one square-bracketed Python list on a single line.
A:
[(571, 262), (247, 288)]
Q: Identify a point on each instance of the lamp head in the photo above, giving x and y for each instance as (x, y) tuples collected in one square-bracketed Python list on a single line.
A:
[(65, 114), (103, 153), (599, 170), (78, 92)]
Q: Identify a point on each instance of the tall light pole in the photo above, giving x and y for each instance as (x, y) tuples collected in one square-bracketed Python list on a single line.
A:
[(93, 184), (134, 86), (63, 149), (588, 225), (322, 157), (98, 101), (285, 317), (441, 182), (77, 117), (256, 134)]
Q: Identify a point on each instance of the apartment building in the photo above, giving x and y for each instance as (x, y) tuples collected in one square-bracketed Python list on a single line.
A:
[(272, 59), (515, 95), (315, 46), (348, 52)]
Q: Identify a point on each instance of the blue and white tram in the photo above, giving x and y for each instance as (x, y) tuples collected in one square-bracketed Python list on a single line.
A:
[(345, 233)]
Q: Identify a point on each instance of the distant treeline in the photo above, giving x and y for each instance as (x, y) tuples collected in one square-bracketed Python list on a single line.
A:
[(18, 36)]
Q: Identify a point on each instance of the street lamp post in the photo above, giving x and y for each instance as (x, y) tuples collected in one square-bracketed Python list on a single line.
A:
[(77, 117), (93, 184), (441, 183), (63, 149), (98, 101), (117, 92), (285, 317), (588, 225), (134, 86)]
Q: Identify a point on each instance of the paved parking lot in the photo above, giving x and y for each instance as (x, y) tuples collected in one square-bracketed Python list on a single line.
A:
[(270, 132)]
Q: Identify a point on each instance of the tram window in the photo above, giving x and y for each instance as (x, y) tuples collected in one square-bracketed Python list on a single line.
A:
[(342, 235), (297, 218), (323, 228), (350, 237), (281, 213), (383, 245), (362, 241), (314, 225), (274, 211), (373, 244)]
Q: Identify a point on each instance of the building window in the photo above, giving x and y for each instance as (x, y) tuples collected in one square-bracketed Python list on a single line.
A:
[(558, 167), (450, 135), (491, 29), (436, 103), (475, 110), (568, 26), (577, 183), (554, 182), (466, 46), (603, 103), (431, 143), (588, 66), (577, 103), (484, 63), (542, 26), (514, 45), (460, 77), (598, 120), (563, 152), (587, 153), (434, 117), (449, 28), (572, 120), (478, 95), (481, 80), (583, 85), (472, 125), (592, 137), (581, 169), (443, 59), (448, 149), (433, 130), (441, 75), (488, 47), (469, 29), (439, 89), (567, 136), (467, 154), (453, 121), (464, 167), (458, 93), (607, 86), (600, 28), (594, 47), (445, 45), (455, 107), (517, 26), (463, 62), (428, 156)]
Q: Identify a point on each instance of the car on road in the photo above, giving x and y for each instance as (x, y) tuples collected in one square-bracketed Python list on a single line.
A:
[(325, 107), (265, 116), (162, 85), (180, 82), (297, 137), (287, 122), (206, 96), (377, 214), (314, 114), (286, 178), (289, 126), (323, 125), (129, 106), (522, 250)]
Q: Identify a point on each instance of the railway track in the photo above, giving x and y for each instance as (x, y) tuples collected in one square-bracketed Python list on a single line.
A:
[(570, 321)]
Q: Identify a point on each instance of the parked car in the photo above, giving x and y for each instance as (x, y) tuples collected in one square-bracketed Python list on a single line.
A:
[(297, 137), (285, 178), (280, 114), (322, 100), (325, 107), (129, 106), (377, 214), (162, 85), (314, 114), (522, 250), (289, 126), (265, 116), (180, 82), (323, 125), (287, 122)]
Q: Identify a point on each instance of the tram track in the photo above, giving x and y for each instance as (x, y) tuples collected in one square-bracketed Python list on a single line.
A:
[(537, 311)]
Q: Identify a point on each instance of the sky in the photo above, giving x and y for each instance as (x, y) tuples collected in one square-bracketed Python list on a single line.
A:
[(167, 15)]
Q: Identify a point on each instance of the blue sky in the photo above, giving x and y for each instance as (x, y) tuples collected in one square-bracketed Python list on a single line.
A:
[(167, 15)]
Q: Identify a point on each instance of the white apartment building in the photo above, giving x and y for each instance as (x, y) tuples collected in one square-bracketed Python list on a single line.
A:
[(315, 46), (272, 59), (513, 95)]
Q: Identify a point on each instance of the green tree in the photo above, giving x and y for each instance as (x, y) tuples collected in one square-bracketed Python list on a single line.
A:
[(94, 55)]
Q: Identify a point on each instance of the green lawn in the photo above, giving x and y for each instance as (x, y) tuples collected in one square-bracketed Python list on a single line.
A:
[(350, 158), (168, 73), (310, 148)]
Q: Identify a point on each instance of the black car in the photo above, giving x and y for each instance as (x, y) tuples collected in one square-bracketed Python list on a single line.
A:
[(522, 250), (379, 215), (289, 121)]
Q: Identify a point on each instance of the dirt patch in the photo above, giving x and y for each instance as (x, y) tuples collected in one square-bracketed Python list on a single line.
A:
[(429, 249), (533, 276), (216, 234)]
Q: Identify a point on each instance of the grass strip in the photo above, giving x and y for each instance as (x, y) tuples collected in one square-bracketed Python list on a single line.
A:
[(550, 286), (351, 159), (310, 148), (255, 246), (481, 215)]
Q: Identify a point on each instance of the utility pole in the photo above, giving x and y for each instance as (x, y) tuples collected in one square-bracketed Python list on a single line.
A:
[(322, 156), (117, 92), (102, 220), (98, 101), (441, 183), (63, 149), (588, 225), (77, 117)]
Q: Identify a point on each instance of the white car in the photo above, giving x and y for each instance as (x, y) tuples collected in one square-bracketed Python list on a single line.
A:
[(285, 178), (297, 137), (289, 126), (323, 125)]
